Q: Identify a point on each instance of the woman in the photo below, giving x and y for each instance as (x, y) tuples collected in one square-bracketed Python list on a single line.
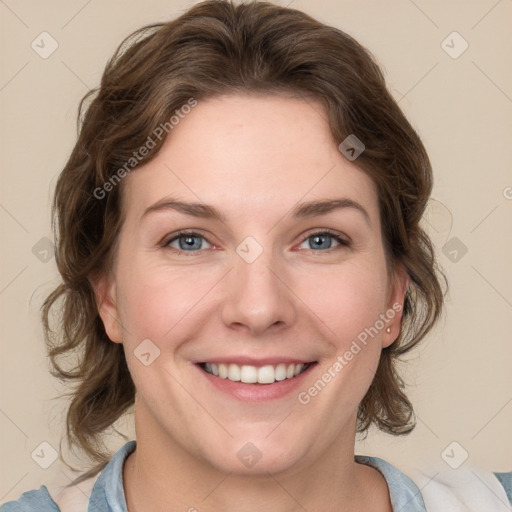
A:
[(242, 261)]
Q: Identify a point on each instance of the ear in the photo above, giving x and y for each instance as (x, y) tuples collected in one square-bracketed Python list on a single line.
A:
[(106, 300), (395, 307)]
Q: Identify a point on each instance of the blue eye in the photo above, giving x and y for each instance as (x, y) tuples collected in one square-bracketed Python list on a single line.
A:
[(190, 241), (187, 241), (323, 240)]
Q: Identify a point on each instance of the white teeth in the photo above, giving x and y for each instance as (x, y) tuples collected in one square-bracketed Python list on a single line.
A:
[(234, 373), (223, 371), (267, 374), (280, 372), (249, 374)]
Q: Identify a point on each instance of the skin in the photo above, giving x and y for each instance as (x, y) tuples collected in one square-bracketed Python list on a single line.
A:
[(254, 158)]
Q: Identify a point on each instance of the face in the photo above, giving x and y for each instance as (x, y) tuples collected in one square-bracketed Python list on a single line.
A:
[(250, 288)]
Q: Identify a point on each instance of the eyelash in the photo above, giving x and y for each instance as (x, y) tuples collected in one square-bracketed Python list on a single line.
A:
[(343, 242)]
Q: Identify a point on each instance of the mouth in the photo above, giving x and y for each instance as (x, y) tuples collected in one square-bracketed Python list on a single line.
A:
[(249, 374)]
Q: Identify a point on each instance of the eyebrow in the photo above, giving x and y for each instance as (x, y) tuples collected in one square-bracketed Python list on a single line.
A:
[(303, 210), (313, 208)]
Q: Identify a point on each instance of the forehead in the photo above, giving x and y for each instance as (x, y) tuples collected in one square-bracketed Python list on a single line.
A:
[(247, 153)]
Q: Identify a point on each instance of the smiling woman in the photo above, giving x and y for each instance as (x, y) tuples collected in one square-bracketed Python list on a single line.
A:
[(249, 284)]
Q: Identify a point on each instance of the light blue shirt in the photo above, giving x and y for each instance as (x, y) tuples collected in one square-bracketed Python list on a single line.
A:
[(108, 492)]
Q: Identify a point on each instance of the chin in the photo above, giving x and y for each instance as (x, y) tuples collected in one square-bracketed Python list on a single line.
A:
[(256, 457)]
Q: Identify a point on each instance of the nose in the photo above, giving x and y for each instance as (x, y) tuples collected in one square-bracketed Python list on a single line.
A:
[(258, 297)]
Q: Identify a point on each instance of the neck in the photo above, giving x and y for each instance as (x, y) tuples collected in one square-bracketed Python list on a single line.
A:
[(161, 475)]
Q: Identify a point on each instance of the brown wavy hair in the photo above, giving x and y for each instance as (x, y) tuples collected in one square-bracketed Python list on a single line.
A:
[(217, 48)]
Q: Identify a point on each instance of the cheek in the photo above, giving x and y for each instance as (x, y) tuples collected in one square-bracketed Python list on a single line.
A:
[(155, 299), (347, 300)]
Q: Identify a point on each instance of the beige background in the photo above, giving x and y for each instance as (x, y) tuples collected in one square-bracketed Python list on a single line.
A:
[(460, 379)]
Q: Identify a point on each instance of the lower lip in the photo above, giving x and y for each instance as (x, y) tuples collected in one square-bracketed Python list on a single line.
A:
[(257, 392)]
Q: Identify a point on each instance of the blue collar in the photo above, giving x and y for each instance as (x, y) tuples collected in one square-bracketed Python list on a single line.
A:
[(404, 493)]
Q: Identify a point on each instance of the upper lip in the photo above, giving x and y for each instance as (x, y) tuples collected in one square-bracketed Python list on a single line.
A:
[(249, 361)]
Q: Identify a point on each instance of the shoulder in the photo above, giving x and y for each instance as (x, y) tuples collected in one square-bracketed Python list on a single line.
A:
[(32, 501), (505, 480), (54, 498), (437, 488), (403, 492), (99, 492), (466, 488)]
